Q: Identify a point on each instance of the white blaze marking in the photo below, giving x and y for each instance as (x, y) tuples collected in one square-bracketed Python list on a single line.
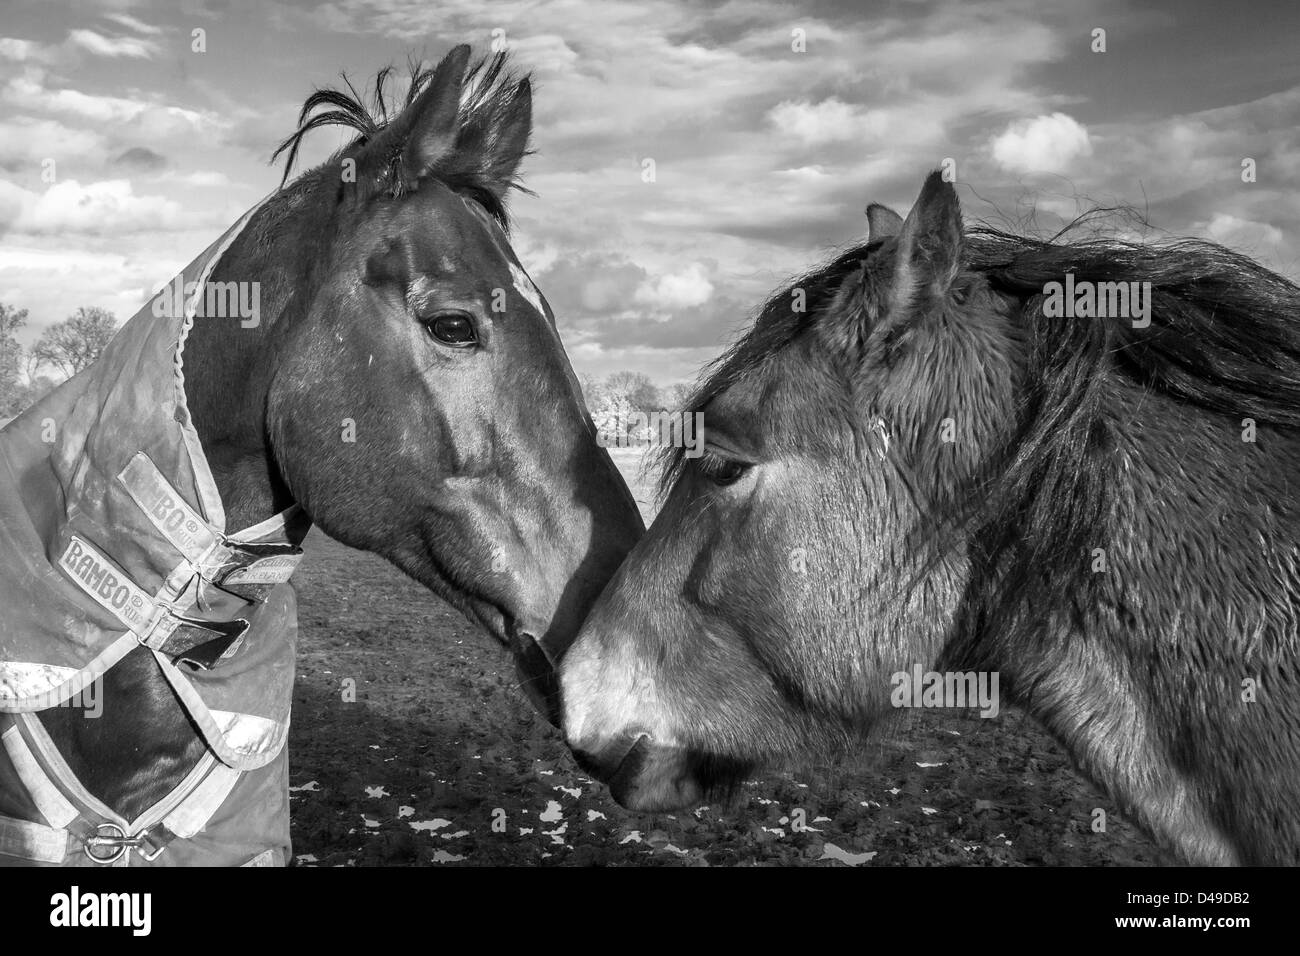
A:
[(524, 286)]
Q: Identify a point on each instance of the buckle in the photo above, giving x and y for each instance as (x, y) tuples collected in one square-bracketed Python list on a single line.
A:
[(111, 837)]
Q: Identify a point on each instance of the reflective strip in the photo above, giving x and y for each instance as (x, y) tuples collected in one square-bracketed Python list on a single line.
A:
[(241, 741), (265, 858), (247, 733), (32, 842), (200, 804), (273, 570), (42, 686), (169, 512), (20, 680), (53, 805), (112, 590)]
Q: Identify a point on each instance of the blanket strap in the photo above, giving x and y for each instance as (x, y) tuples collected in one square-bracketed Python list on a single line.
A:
[(247, 569), (157, 624)]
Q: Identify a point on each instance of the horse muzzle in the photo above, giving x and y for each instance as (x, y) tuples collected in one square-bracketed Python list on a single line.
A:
[(642, 775)]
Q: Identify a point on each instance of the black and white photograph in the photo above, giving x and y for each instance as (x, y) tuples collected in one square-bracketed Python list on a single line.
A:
[(527, 434)]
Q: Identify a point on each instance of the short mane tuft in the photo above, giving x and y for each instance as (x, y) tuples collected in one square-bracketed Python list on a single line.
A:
[(488, 97)]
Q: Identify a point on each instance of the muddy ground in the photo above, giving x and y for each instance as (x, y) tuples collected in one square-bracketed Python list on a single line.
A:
[(440, 760)]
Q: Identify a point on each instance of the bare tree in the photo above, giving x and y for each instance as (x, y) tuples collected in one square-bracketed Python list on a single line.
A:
[(678, 394), (11, 356), (592, 389), (637, 388), (73, 344)]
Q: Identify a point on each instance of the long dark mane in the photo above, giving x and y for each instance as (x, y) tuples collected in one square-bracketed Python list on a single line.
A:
[(489, 90), (1224, 336)]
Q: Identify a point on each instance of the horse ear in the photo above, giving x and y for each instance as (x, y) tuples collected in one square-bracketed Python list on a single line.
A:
[(928, 257), (435, 117), (504, 147), (882, 222)]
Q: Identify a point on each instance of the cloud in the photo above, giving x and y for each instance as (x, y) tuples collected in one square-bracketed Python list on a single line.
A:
[(679, 290), (108, 207), (131, 23), (100, 45), (200, 178), (145, 116), (814, 124), (1241, 234), (23, 51), (765, 156), (590, 285), (1044, 144), (26, 142), (141, 158)]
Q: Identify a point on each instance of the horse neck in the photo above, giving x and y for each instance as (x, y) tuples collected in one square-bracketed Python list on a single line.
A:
[(229, 366)]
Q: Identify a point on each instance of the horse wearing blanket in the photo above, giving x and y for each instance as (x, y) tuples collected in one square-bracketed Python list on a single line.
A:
[(152, 508)]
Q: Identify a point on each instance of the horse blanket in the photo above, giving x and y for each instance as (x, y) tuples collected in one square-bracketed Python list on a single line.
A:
[(112, 537)]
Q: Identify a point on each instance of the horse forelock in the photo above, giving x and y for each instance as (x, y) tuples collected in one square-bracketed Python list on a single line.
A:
[(489, 95)]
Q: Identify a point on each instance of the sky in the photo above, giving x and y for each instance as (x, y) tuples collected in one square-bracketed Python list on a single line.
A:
[(124, 151)]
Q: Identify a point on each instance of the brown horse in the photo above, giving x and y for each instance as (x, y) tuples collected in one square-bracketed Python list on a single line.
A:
[(405, 387), (944, 462)]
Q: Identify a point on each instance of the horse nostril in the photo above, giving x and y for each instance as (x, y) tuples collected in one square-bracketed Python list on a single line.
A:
[(619, 758), (537, 675)]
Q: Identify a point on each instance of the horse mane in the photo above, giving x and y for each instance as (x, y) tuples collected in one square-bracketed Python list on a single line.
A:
[(1224, 336), (489, 92)]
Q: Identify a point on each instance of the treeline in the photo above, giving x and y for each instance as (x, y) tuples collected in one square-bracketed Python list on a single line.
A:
[(613, 401), (62, 351)]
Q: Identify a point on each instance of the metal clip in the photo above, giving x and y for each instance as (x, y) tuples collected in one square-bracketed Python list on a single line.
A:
[(113, 837)]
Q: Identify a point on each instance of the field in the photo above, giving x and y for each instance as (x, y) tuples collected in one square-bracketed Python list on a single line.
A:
[(440, 760)]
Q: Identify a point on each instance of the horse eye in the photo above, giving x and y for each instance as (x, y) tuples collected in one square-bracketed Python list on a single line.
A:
[(723, 471), (452, 328)]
